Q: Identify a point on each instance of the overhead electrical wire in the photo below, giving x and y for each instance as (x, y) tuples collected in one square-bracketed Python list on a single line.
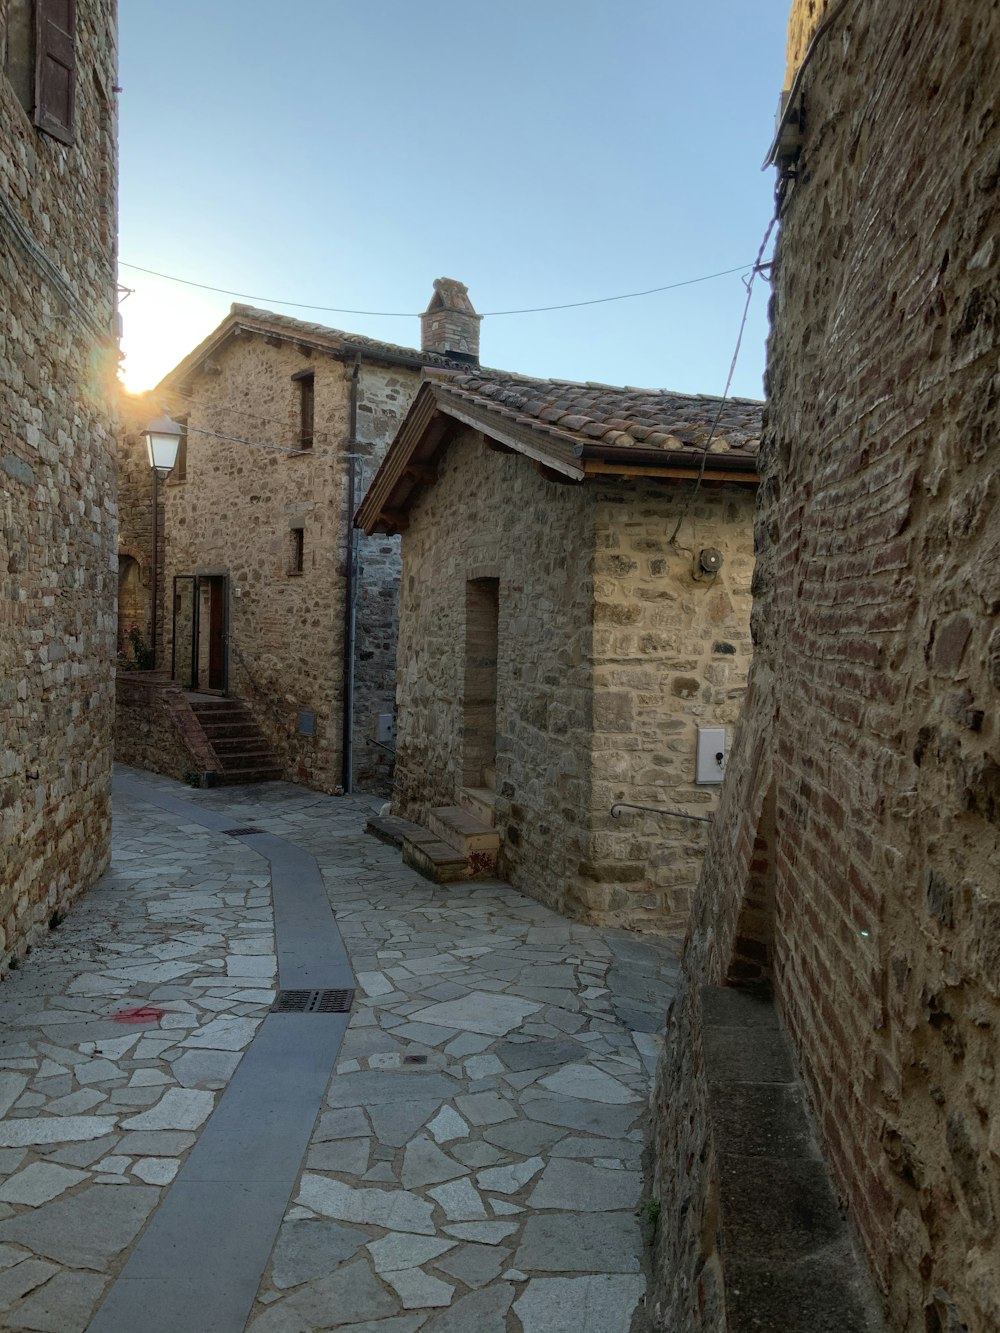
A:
[(758, 267), (415, 314), (755, 268), (189, 400), (259, 444)]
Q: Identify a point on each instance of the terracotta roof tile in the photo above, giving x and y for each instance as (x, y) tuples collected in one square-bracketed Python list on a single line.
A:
[(624, 417), (337, 338)]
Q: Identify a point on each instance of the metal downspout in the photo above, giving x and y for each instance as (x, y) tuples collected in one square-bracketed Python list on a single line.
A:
[(350, 592)]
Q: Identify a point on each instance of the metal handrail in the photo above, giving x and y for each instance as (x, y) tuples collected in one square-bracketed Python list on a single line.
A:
[(619, 806)]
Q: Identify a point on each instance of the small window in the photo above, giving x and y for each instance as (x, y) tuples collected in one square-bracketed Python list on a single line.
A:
[(180, 467), (296, 551), (306, 381)]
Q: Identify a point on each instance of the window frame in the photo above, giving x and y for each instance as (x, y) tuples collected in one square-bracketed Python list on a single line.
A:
[(306, 380)]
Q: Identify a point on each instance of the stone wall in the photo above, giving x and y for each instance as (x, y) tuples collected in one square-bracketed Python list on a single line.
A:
[(57, 487), (235, 512), (610, 653), (804, 19), (491, 516), (384, 395), (156, 730), (671, 652), (872, 726)]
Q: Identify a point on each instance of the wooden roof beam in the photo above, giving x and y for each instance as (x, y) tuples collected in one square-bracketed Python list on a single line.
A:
[(421, 473)]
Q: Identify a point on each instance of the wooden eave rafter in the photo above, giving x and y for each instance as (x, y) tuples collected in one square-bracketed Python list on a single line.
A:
[(557, 455), (413, 448), (629, 461), (429, 424)]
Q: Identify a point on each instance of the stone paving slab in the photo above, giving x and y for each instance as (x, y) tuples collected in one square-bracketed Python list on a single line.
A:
[(482, 1128)]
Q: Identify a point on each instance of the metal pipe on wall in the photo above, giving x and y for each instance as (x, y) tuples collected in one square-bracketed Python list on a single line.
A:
[(350, 591)]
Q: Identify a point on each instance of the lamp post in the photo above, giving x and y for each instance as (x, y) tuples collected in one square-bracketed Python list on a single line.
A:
[(163, 438)]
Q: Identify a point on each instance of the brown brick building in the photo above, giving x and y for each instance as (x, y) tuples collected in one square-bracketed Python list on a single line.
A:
[(557, 652), (286, 423), (855, 864), (58, 171)]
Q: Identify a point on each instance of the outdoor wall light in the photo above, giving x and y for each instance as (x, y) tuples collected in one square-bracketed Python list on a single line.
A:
[(163, 438), (710, 560)]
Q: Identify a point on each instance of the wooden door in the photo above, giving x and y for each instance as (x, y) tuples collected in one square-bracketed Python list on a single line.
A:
[(217, 633)]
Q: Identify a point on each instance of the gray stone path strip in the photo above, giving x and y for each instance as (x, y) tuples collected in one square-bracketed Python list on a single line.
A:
[(311, 952), (198, 1264), (453, 1178)]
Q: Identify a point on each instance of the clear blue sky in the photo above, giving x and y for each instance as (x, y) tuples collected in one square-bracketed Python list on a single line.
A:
[(541, 151)]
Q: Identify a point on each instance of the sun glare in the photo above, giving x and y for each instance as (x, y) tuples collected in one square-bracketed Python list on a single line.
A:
[(160, 325)]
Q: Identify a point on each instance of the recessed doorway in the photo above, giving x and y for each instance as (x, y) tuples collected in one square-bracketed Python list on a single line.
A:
[(199, 659), (482, 628)]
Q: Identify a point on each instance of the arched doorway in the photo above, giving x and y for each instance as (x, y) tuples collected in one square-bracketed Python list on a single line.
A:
[(133, 604)]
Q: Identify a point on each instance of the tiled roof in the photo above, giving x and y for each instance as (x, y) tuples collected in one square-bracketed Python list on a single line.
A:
[(284, 326), (606, 416), (337, 338)]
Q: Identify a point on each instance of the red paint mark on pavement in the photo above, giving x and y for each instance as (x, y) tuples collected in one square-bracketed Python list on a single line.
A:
[(145, 1013)]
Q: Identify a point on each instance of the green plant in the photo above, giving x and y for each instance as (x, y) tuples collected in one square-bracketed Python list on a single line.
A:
[(649, 1211), (192, 778), (142, 654)]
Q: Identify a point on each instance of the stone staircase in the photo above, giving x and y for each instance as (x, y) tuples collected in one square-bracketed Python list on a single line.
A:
[(240, 747), (460, 843)]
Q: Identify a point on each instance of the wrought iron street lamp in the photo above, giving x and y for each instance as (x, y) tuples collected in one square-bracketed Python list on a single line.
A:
[(163, 439)]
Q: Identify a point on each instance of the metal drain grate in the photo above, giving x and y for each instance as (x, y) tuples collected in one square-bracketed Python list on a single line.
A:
[(239, 832), (313, 1002)]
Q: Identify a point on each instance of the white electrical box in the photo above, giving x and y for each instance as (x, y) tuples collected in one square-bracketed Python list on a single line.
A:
[(710, 764), (385, 728)]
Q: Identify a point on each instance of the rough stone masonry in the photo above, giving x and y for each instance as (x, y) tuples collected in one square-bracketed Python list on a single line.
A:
[(58, 520), (856, 852)]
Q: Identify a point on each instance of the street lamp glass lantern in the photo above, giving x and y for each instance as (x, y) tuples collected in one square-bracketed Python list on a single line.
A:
[(163, 437)]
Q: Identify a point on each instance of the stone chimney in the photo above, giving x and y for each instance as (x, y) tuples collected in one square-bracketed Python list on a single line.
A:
[(449, 325)]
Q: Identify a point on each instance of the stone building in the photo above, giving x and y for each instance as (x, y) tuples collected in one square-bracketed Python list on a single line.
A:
[(285, 424), (558, 651), (58, 354), (853, 869)]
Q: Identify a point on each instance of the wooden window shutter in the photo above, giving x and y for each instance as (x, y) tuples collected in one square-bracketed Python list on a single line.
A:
[(55, 67)]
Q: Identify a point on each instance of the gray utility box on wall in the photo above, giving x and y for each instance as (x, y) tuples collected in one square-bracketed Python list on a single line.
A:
[(710, 763)]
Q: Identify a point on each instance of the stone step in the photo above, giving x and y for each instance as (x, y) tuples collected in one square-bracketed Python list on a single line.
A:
[(234, 777), (237, 744), (228, 730), (462, 830), (257, 758), (481, 802), (435, 860), (240, 746), (392, 829)]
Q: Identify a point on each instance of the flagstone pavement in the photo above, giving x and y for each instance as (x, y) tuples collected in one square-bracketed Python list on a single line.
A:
[(473, 1163)]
